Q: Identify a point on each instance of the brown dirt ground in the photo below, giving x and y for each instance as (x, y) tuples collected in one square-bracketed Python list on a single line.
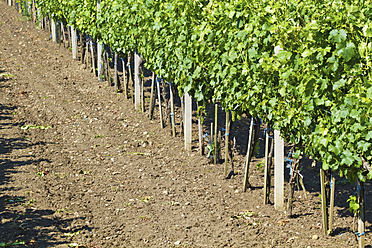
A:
[(103, 175)]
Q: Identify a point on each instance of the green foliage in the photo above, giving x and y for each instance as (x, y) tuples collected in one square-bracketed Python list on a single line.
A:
[(303, 65), (18, 242), (261, 166), (212, 151), (353, 204)]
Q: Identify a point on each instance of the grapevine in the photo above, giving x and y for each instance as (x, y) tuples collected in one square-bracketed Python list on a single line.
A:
[(303, 66)]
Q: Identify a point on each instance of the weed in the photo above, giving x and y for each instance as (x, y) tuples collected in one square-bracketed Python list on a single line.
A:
[(136, 153), (27, 127), (60, 175), (42, 173), (76, 245), (84, 172), (98, 136), (246, 215), (72, 234), (261, 166), (146, 199), (62, 210), (29, 203), (18, 242), (173, 203), (6, 75), (144, 218)]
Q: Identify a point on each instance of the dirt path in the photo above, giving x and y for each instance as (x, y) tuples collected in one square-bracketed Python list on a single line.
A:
[(79, 167)]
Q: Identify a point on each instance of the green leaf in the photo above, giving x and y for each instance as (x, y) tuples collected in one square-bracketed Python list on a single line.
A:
[(367, 30), (348, 52), (252, 53), (347, 158), (369, 135), (354, 113), (284, 56), (337, 35)]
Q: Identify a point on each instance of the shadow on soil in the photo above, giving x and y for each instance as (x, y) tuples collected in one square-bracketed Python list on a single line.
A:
[(20, 220), (239, 132), (4, 77), (309, 171)]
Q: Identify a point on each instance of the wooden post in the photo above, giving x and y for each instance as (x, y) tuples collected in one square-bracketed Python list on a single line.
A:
[(215, 133), (278, 171), (137, 82), (172, 111), (361, 215), (33, 11), (227, 143), (59, 33), (49, 24), (99, 48), (106, 69), (68, 36), (93, 58), (63, 34), (142, 82), (74, 42), (166, 113), (182, 113), (246, 184), (267, 171), (331, 204), (218, 153), (54, 31), (151, 112), (116, 81), (82, 43), (200, 127), (188, 122), (324, 201), (159, 99), (125, 79), (130, 76), (291, 186), (211, 139), (40, 19), (99, 60), (87, 52)]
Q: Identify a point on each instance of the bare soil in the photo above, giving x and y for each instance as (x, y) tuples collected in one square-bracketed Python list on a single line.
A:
[(80, 167)]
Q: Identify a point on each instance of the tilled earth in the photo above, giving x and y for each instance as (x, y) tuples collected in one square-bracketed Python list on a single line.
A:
[(80, 167)]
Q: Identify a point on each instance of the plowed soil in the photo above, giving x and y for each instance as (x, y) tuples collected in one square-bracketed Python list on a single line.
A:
[(80, 167)]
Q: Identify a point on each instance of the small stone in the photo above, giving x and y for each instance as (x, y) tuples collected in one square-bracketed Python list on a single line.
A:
[(315, 237), (177, 242), (82, 67)]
